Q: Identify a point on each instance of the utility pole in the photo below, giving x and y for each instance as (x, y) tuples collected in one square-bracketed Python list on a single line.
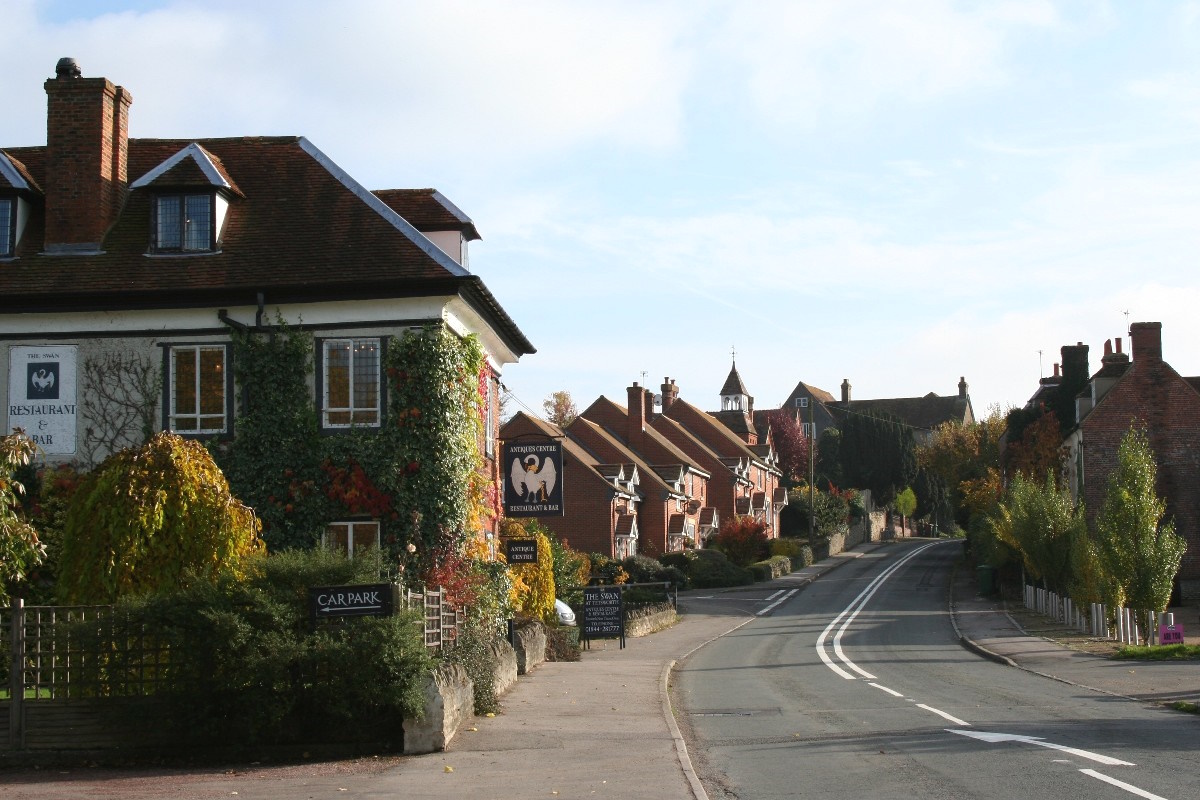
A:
[(812, 449)]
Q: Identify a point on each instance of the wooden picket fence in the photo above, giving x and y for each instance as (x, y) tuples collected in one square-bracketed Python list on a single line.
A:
[(53, 698)]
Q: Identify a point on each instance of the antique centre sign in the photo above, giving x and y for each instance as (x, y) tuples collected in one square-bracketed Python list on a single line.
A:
[(41, 395), (535, 481), (363, 600)]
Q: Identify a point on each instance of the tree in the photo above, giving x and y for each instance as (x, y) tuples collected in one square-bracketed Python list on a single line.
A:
[(958, 454), (151, 518), (829, 458), (1045, 524), (1138, 551), (791, 445), (560, 408), (877, 453), (743, 540), (1039, 450), (20, 549)]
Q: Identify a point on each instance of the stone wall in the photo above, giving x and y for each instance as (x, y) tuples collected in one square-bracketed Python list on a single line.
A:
[(449, 701)]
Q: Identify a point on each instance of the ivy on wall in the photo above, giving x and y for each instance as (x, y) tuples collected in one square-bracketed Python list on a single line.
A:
[(419, 473)]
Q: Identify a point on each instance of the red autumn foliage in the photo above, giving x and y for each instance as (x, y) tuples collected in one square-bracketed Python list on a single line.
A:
[(743, 540)]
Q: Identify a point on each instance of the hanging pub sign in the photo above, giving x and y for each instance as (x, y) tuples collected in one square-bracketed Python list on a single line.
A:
[(41, 395), (534, 486)]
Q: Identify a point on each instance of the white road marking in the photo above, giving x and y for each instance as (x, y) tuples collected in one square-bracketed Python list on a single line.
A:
[(943, 714), (994, 738), (771, 597), (777, 602), (853, 609), (1122, 785), (892, 692)]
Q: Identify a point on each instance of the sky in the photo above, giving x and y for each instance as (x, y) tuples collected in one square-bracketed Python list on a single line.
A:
[(898, 194)]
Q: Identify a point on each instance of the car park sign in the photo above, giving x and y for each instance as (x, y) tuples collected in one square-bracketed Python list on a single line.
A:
[(363, 600)]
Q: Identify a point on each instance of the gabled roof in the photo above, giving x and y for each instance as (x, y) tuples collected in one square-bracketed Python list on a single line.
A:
[(428, 210), (706, 428), (737, 421), (191, 166), (306, 231), (604, 407), (804, 390), (609, 449), (571, 449)]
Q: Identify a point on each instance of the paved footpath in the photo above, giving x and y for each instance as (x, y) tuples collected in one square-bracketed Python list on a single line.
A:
[(598, 728)]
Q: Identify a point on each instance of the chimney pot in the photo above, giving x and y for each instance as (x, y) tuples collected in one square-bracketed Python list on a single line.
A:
[(845, 390), (67, 68)]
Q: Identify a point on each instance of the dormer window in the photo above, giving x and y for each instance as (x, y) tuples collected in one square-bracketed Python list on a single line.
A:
[(183, 223)]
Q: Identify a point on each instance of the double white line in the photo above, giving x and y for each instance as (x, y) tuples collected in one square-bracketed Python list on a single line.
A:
[(850, 612)]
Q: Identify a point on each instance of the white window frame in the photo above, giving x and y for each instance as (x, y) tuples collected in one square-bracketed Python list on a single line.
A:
[(353, 409), (354, 529), (174, 413)]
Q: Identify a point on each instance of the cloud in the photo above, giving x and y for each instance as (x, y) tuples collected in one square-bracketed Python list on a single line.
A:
[(806, 61)]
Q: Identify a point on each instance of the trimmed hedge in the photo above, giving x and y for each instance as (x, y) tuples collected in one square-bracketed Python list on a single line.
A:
[(773, 567), (708, 569)]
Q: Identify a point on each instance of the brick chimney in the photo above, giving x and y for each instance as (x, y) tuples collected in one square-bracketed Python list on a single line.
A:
[(962, 386), (845, 390), (1145, 340), (637, 414), (670, 393), (87, 147)]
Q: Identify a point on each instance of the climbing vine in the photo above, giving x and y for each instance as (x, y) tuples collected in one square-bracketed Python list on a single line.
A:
[(419, 474)]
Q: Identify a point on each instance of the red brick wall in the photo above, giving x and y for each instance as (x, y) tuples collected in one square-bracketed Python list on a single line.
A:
[(1153, 395), (87, 129)]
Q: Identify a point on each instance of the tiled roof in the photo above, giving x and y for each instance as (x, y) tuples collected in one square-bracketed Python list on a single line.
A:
[(780, 497), (709, 517), (926, 412), (626, 525), (304, 231), (428, 210), (804, 390), (741, 506), (676, 525), (14, 175), (736, 421)]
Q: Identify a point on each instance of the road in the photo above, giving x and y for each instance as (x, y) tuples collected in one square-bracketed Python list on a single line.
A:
[(857, 687)]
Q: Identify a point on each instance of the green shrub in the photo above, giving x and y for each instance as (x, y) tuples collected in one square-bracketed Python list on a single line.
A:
[(239, 662), (771, 568), (707, 569), (607, 570), (798, 550), (562, 643), (642, 569)]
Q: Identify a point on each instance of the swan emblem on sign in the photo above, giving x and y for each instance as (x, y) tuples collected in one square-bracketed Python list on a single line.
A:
[(534, 480), (42, 380)]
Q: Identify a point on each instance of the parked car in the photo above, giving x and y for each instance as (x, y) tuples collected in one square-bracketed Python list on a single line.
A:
[(565, 615)]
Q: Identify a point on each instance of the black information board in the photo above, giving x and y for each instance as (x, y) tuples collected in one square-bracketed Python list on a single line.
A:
[(603, 613), (521, 551), (365, 600)]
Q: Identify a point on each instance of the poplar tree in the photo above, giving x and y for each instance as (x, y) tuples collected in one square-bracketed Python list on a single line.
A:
[(1138, 551)]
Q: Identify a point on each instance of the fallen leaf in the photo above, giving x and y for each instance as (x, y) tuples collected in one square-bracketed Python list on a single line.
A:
[(447, 768)]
